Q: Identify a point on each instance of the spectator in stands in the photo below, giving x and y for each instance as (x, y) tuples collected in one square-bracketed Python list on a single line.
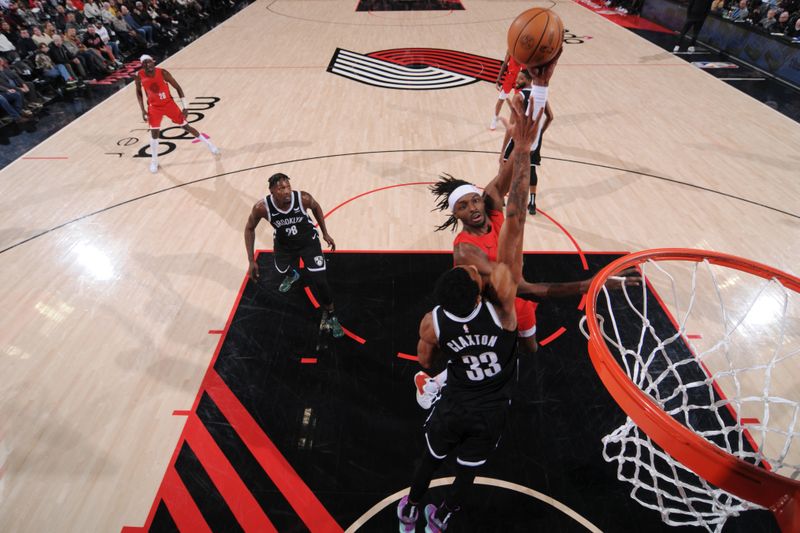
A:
[(41, 38), (7, 49), (50, 29), (91, 10), (60, 18), (5, 29), (10, 81), (71, 23), (28, 17), (61, 55), (780, 27), (132, 40), (769, 22), (106, 38), (108, 13), (91, 59), (696, 13), (793, 29), (26, 47), (145, 31), (740, 13), (92, 41), (144, 19), (11, 102), (50, 70)]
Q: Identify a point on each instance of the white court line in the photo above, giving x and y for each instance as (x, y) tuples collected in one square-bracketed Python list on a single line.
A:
[(381, 505), (742, 79)]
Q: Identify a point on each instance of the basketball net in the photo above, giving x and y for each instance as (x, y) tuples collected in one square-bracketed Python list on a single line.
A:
[(713, 342)]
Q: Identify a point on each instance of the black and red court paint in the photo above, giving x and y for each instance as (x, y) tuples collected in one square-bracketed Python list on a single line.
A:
[(274, 443)]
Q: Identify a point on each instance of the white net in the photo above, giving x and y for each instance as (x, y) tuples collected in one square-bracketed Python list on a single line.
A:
[(717, 349)]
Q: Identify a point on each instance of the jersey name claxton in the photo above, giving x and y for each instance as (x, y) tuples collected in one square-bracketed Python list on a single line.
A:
[(464, 341)]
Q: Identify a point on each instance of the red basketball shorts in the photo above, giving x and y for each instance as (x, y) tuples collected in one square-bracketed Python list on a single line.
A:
[(526, 317), (171, 110)]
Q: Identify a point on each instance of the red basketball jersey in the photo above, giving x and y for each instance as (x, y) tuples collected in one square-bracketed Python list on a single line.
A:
[(156, 88), (488, 241)]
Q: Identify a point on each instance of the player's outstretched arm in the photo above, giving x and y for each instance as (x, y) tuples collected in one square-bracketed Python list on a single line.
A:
[(507, 274), (259, 211), (319, 216)]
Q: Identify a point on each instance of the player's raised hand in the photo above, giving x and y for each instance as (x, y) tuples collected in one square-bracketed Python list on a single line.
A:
[(524, 128), (541, 75)]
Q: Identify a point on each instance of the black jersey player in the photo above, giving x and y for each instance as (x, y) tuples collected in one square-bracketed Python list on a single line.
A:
[(295, 237), (477, 339)]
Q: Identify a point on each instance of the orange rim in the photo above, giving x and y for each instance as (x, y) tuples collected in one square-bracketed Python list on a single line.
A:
[(777, 493)]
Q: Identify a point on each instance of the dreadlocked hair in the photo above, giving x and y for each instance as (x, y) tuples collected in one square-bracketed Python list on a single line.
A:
[(456, 292), (442, 189)]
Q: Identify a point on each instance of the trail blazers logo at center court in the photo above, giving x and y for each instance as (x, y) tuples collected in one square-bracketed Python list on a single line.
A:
[(419, 69)]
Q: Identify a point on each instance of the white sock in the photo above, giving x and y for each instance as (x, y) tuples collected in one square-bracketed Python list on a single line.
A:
[(154, 150), (203, 137)]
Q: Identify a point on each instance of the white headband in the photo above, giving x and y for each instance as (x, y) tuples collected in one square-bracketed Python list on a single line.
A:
[(460, 192), (144, 58)]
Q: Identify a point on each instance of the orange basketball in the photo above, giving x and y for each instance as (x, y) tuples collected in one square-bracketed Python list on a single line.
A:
[(535, 37)]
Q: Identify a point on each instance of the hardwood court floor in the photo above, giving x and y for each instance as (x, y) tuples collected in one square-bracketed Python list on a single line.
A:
[(112, 277)]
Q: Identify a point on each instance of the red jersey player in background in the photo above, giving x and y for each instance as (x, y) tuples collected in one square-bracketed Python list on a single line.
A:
[(510, 68), (160, 104)]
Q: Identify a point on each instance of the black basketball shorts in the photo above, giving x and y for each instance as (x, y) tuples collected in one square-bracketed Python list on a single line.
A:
[(471, 433), (311, 253)]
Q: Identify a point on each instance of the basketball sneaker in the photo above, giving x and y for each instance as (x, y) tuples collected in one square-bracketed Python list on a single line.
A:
[(153, 166), (335, 327), (436, 524), (427, 389), (493, 125), (532, 209), (287, 282), (407, 514)]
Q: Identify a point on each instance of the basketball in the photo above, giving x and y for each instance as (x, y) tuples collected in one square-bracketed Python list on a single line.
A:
[(535, 37)]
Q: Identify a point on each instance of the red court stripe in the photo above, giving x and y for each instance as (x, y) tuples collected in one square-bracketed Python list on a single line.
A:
[(750, 421), (181, 413), (353, 336), (216, 331), (308, 360), (311, 298), (356, 197), (181, 506), (569, 235), (402, 355), (240, 500), (300, 497), (560, 331), (694, 336)]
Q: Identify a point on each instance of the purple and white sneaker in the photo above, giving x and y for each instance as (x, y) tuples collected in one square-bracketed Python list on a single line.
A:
[(407, 514)]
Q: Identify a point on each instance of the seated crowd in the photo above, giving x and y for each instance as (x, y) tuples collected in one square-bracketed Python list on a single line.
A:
[(773, 16), (776, 17), (54, 46)]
